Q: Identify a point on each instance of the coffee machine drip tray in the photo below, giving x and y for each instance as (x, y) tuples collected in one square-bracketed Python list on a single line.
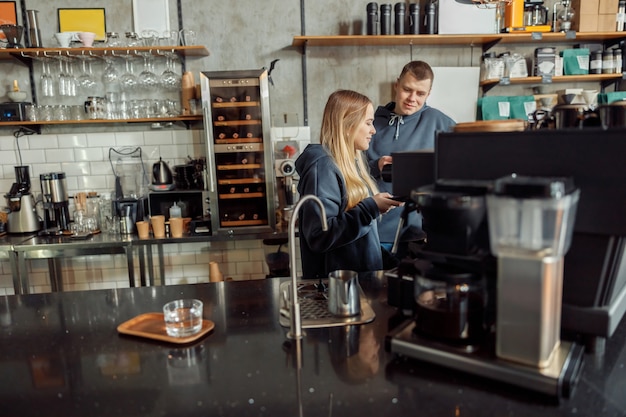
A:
[(558, 379)]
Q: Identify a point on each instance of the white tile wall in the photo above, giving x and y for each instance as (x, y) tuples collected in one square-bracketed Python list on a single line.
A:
[(84, 159)]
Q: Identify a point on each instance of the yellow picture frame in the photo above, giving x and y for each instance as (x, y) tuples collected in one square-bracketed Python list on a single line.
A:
[(83, 20)]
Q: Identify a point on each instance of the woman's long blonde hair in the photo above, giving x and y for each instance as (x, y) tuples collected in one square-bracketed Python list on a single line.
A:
[(344, 111)]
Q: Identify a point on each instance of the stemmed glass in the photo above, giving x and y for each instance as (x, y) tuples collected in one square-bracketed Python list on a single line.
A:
[(170, 79), (86, 81), (148, 80), (128, 80), (46, 80), (110, 75), (67, 86)]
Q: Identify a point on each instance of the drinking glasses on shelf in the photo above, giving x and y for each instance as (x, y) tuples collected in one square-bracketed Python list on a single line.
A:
[(110, 75), (128, 80), (67, 82), (87, 83), (148, 80), (149, 37), (46, 80), (170, 78), (187, 37), (169, 38)]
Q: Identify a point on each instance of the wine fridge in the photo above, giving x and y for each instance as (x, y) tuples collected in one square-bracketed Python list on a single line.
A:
[(241, 181)]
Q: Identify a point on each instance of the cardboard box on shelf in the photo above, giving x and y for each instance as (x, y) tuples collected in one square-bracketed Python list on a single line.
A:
[(586, 23), (608, 6), (607, 22), (586, 7)]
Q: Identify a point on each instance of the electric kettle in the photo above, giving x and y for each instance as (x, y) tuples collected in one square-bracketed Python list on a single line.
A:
[(161, 173)]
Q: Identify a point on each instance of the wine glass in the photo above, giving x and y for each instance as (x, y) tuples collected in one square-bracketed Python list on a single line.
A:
[(46, 81), (110, 75), (170, 79), (128, 80), (65, 79), (148, 80), (87, 83)]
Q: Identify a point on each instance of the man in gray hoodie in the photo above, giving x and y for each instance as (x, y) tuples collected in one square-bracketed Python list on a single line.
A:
[(405, 124)]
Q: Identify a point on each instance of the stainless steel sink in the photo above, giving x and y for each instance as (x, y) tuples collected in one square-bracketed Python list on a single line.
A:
[(313, 300)]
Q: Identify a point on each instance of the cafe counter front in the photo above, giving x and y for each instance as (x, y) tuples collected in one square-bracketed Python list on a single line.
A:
[(62, 355)]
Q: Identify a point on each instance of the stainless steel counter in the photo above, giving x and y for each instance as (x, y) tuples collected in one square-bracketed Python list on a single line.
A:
[(18, 249)]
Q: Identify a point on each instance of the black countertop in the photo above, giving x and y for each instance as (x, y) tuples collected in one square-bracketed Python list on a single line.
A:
[(61, 355)]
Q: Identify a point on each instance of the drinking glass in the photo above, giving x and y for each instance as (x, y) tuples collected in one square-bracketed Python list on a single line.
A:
[(128, 80), (148, 80), (46, 80), (170, 79), (110, 75), (187, 37), (87, 83), (65, 87), (149, 37), (169, 38)]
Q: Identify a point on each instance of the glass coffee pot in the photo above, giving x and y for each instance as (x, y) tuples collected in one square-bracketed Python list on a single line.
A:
[(451, 304)]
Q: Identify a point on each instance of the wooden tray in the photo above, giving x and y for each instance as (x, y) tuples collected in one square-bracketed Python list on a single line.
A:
[(152, 326)]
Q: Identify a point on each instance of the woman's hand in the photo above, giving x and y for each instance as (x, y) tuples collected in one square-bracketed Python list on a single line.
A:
[(385, 202), (384, 160)]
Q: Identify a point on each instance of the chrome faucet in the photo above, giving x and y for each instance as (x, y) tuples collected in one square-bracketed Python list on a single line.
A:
[(294, 311)]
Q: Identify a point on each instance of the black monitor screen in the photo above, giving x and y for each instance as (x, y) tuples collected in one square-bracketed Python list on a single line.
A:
[(411, 170)]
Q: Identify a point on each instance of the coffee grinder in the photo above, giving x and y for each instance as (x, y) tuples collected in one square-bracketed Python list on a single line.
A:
[(55, 203), (23, 216), (491, 307), (289, 142)]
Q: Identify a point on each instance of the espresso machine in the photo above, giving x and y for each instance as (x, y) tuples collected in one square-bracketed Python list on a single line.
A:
[(55, 203), (486, 286), (23, 216), (288, 142)]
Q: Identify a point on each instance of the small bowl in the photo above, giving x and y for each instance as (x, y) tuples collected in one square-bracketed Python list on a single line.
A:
[(17, 96)]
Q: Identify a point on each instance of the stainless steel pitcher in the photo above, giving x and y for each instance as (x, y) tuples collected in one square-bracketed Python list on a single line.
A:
[(343, 293)]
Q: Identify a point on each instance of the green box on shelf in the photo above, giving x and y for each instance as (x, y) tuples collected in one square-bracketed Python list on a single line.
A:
[(575, 61), (506, 107), (608, 98)]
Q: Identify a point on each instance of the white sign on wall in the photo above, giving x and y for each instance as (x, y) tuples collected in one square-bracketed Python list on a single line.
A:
[(455, 92)]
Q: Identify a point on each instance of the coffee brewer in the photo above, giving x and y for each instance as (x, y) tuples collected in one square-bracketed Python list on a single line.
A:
[(486, 285), (55, 202), (23, 216)]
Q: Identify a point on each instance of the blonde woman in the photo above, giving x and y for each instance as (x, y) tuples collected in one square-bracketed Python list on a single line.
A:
[(336, 172)]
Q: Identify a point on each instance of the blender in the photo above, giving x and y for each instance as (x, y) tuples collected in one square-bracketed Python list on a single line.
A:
[(496, 298), (23, 216)]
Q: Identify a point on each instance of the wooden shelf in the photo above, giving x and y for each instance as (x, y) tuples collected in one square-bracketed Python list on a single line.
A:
[(238, 181), (236, 196), (469, 40), (185, 119), (228, 104), (556, 79), (238, 166), (34, 53)]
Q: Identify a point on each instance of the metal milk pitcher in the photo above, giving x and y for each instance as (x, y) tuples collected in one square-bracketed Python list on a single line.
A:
[(343, 293)]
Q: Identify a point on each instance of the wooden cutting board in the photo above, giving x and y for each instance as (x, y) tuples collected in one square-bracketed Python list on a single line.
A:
[(514, 125)]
